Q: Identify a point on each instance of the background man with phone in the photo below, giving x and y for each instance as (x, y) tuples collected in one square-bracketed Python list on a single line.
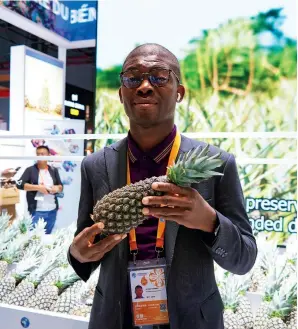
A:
[(42, 183)]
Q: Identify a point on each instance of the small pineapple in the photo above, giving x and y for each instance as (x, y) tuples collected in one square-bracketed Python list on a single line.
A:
[(75, 288), (12, 252), (49, 278), (237, 308), (26, 288), (4, 221), (292, 319), (48, 295), (280, 298), (276, 323), (23, 268), (81, 310), (121, 209), (65, 303)]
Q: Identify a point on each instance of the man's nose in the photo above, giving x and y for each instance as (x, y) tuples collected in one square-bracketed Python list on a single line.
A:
[(145, 87)]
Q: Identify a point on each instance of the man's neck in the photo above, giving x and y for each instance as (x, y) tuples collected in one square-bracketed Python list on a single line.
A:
[(147, 138), (42, 166)]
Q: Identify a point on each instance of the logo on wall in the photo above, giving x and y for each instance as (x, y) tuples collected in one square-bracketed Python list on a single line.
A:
[(25, 322)]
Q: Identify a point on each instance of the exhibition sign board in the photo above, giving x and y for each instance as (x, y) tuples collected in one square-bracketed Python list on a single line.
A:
[(72, 20)]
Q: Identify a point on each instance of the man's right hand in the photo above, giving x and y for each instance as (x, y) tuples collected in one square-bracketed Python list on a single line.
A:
[(42, 189), (84, 250)]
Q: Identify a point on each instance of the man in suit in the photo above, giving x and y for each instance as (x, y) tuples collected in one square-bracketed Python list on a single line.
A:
[(205, 223)]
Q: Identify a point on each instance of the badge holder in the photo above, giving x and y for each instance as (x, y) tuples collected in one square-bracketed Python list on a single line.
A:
[(147, 280)]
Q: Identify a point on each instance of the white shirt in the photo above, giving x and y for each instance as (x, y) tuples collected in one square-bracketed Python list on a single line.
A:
[(48, 202)]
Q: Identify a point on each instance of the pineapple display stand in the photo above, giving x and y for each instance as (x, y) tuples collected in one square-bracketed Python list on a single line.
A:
[(21, 317)]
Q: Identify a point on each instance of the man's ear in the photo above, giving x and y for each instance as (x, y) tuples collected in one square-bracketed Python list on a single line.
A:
[(120, 95), (180, 93)]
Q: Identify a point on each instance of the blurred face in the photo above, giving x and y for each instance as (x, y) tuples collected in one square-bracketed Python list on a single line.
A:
[(139, 292), (42, 152), (152, 101)]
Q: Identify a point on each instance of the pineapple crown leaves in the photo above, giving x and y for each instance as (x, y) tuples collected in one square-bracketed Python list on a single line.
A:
[(280, 306), (31, 260), (4, 221), (23, 224), (275, 278), (48, 262), (66, 277), (194, 166), (39, 230), (13, 250), (232, 290)]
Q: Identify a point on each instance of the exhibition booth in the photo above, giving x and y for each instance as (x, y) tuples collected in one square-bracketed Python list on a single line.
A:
[(236, 85)]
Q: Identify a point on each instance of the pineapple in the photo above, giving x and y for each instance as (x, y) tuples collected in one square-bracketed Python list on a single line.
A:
[(237, 308), (26, 288), (23, 268), (121, 209), (12, 253), (65, 303), (48, 295), (81, 310), (4, 221), (49, 278), (292, 319), (279, 300)]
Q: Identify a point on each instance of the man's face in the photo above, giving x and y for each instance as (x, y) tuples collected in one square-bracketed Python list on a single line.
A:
[(139, 292), (42, 152), (148, 105)]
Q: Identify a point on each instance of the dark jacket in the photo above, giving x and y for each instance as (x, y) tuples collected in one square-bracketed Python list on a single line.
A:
[(194, 301), (30, 176)]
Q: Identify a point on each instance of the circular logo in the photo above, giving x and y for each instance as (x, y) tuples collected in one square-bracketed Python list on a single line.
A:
[(25, 322)]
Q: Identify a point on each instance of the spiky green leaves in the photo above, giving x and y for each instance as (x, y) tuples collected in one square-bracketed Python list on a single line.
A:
[(194, 166)]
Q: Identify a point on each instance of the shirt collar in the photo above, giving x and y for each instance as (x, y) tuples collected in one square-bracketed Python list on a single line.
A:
[(157, 153)]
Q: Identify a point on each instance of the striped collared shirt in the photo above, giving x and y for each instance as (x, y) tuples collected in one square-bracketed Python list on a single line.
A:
[(144, 165)]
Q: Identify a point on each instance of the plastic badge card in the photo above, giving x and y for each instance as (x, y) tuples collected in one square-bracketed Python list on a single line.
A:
[(148, 291)]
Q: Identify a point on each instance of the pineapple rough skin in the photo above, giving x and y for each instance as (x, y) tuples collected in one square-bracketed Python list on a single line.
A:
[(121, 209)]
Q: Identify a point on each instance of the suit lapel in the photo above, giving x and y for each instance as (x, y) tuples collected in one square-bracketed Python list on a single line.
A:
[(172, 227)]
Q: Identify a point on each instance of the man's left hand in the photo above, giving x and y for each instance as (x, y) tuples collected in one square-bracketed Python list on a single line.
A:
[(183, 205)]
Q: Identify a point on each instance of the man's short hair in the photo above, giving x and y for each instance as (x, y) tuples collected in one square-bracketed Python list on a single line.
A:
[(138, 287), (175, 66), (43, 147)]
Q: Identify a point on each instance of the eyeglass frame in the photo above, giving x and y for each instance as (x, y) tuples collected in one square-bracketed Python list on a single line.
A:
[(148, 73)]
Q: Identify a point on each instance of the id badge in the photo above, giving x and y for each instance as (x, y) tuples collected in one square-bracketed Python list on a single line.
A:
[(39, 198), (148, 292)]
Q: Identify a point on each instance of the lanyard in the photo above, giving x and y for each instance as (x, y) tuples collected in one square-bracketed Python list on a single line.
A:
[(161, 222), (42, 180)]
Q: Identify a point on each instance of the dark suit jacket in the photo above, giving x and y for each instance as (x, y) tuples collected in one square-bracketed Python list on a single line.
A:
[(194, 301), (30, 176)]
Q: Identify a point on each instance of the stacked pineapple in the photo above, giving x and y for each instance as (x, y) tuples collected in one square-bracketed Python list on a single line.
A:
[(237, 308)]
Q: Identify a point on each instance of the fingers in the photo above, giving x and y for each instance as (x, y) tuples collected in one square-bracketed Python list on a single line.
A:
[(107, 244), (168, 200), (171, 188), (166, 212), (90, 232)]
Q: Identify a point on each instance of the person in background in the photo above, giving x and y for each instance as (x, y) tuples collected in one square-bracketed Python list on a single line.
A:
[(42, 184)]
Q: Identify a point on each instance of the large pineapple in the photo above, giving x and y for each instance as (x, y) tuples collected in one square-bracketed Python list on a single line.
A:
[(237, 308), (121, 209), (45, 297)]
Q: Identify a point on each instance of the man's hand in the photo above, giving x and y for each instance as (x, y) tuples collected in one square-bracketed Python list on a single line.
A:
[(85, 250), (42, 189), (183, 205)]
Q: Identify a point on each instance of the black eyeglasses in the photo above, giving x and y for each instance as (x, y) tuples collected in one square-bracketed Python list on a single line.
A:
[(157, 77)]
